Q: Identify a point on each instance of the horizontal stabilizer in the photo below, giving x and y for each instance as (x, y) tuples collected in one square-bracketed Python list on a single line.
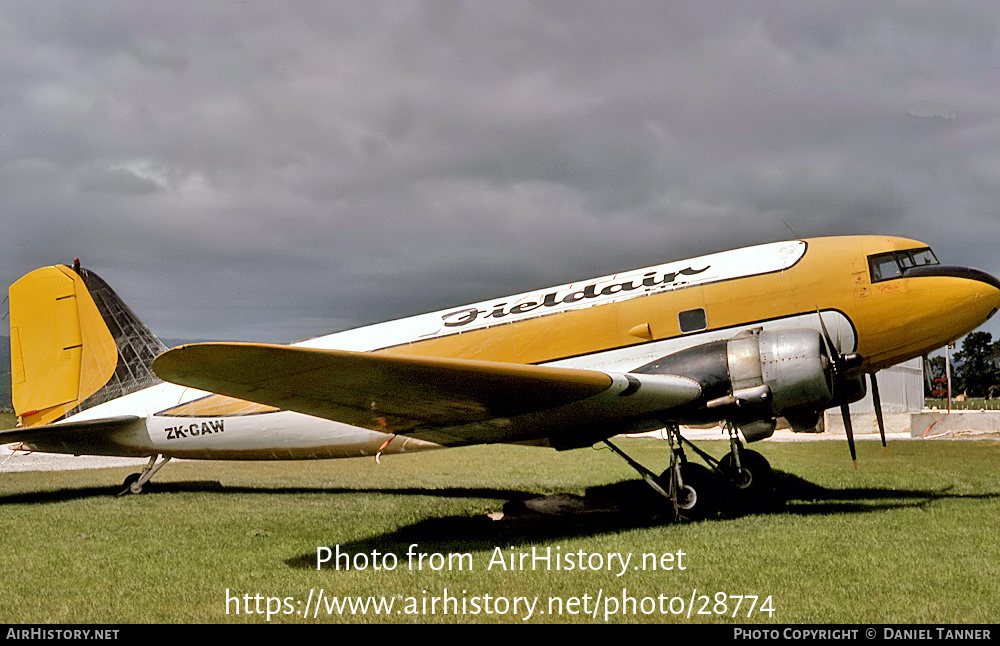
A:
[(71, 431)]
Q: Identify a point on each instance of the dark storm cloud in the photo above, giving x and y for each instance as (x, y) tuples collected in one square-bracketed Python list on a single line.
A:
[(274, 171)]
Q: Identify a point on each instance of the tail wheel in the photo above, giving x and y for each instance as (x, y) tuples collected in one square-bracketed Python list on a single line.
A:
[(698, 497), (130, 484)]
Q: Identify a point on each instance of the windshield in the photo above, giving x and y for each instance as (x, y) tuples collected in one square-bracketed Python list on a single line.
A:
[(886, 266)]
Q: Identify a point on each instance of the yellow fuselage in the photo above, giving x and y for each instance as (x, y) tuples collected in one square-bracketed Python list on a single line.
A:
[(893, 320)]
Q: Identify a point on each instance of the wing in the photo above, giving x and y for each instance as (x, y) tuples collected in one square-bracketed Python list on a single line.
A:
[(449, 401)]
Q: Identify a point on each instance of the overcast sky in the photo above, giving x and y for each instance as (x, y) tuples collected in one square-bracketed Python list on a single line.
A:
[(274, 171)]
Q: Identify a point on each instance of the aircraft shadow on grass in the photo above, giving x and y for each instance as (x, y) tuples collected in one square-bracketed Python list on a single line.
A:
[(630, 504), (191, 486), (527, 517)]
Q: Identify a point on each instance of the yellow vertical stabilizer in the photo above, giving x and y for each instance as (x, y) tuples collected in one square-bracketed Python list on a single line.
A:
[(61, 350)]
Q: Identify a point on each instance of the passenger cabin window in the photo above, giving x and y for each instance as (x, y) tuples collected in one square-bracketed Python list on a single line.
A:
[(692, 320), (893, 264)]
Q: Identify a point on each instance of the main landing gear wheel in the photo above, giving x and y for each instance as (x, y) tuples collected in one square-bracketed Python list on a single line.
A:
[(752, 481), (698, 497)]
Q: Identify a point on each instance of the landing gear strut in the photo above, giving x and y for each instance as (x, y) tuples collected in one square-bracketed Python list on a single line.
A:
[(741, 482), (692, 489), (133, 484), (748, 474)]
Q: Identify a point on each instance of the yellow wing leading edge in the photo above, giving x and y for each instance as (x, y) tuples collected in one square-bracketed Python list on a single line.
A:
[(444, 400)]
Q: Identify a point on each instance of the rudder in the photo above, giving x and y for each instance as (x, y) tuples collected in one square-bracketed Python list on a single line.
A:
[(74, 344)]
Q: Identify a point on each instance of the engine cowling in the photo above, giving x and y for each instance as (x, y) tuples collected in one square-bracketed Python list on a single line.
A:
[(755, 377)]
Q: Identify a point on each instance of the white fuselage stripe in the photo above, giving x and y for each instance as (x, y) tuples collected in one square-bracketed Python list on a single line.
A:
[(727, 265)]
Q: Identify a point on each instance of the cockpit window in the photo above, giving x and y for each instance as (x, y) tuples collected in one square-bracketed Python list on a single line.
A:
[(886, 266), (923, 257)]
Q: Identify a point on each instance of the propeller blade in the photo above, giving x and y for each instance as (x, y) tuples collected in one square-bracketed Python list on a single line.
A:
[(877, 401), (828, 340), (845, 410), (840, 363)]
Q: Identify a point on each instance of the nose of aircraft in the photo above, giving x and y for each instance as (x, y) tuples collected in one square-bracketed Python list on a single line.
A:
[(984, 290), (987, 292), (992, 295), (976, 274)]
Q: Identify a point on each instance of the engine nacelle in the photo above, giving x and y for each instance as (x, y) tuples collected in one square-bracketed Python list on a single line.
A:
[(755, 377), (794, 364)]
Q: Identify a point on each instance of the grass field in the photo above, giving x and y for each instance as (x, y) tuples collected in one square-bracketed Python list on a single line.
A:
[(908, 537)]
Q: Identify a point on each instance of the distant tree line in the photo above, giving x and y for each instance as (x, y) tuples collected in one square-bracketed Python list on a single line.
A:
[(975, 369)]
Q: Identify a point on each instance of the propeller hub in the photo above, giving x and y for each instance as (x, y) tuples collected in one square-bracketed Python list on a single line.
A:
[(852, 360)]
